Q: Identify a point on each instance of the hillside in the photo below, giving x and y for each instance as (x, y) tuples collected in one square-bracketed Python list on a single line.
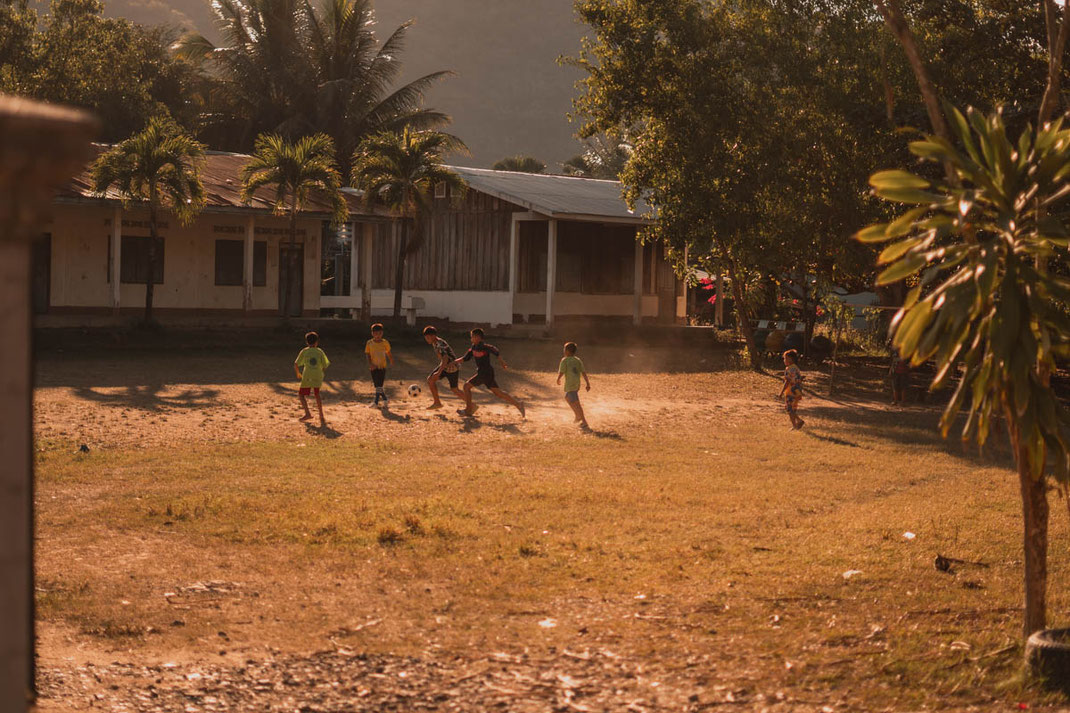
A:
[(509, 96)]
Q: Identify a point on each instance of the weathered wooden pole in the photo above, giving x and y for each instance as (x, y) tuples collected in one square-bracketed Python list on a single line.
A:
[(40, 146)]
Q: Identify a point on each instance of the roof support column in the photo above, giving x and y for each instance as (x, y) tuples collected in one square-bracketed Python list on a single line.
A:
[(637, 308), (551, 271), (355, 243), (115, 259), (514, 258), (247, 264), (366, 246)]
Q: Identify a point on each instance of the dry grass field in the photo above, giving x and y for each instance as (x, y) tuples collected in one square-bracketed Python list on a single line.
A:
[(211, 553)]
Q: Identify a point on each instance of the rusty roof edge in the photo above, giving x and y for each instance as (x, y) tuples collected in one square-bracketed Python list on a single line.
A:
[(361, 216)]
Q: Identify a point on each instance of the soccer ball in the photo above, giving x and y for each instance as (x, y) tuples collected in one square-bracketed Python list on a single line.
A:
[(414, 391)]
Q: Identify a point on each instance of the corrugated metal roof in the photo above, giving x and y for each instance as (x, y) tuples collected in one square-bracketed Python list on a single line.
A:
[(555, 196), (221, 176)]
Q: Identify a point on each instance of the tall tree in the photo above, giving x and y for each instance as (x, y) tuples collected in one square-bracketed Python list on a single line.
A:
[(715, 97), (520, 164), (401, 170), (160, 166), (122, 72), (297, 67), (295, 169), (18, 24)]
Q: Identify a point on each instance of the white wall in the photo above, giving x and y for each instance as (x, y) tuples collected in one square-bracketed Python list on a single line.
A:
[(79, 273), (492, 308), (570, 304)]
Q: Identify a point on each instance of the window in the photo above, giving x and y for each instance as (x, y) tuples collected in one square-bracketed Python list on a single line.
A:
[(442, 190), (134, 260), (230, 262), (336, 251)]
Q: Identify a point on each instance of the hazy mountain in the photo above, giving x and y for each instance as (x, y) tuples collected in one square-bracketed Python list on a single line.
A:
[(509, 96)]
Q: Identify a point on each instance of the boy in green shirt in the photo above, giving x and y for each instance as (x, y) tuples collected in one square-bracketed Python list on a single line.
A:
[(309, 367), (571, 368)]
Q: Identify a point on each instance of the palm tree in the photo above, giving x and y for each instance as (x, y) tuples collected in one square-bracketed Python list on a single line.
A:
[(159, 165), (295, 169), (520, 164), (402, 170), (298, 67)]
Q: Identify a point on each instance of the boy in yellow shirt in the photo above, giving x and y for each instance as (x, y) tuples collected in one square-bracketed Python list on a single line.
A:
[(309, 367), (379, 357)]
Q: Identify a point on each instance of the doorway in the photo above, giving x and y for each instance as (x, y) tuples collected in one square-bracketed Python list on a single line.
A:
[(291, 280)]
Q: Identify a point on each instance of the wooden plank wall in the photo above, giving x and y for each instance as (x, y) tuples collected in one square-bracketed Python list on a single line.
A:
[(464, 245)]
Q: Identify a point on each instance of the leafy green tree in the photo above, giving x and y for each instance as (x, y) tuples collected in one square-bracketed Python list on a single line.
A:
[(980, 307), (755, 123), (716, 97), (18, 25), (297, 67), (122, 72), (160, 166), (520, 164), (401, 170), (295, 169)]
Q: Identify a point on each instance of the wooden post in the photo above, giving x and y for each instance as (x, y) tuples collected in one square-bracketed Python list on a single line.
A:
[(551, 271), (637, 306), (40, 146), (367, 245), (247, 263), (116, 259)]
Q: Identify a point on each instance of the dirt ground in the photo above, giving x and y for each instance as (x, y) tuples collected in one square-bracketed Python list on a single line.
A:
[(208, 552)]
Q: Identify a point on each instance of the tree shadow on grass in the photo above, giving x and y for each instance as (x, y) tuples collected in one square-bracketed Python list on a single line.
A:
[(149, 397), (916, 426)]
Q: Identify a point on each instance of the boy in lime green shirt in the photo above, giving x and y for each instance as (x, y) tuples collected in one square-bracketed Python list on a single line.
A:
[(309, 367), (571, 368)]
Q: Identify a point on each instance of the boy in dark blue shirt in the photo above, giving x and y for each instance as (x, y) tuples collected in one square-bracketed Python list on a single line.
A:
[(481, 352)]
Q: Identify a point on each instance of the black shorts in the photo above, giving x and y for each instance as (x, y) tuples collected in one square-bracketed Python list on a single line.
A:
[(378, 377), (484, 379), (450, 376)]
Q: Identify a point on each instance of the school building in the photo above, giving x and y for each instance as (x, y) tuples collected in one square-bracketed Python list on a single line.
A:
[(514, 249)]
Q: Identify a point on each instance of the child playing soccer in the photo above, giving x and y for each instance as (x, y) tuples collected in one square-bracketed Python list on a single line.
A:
[(481, 352), (571, 368), (792, 391), (309, 367), (447, 367), (379, 357)]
